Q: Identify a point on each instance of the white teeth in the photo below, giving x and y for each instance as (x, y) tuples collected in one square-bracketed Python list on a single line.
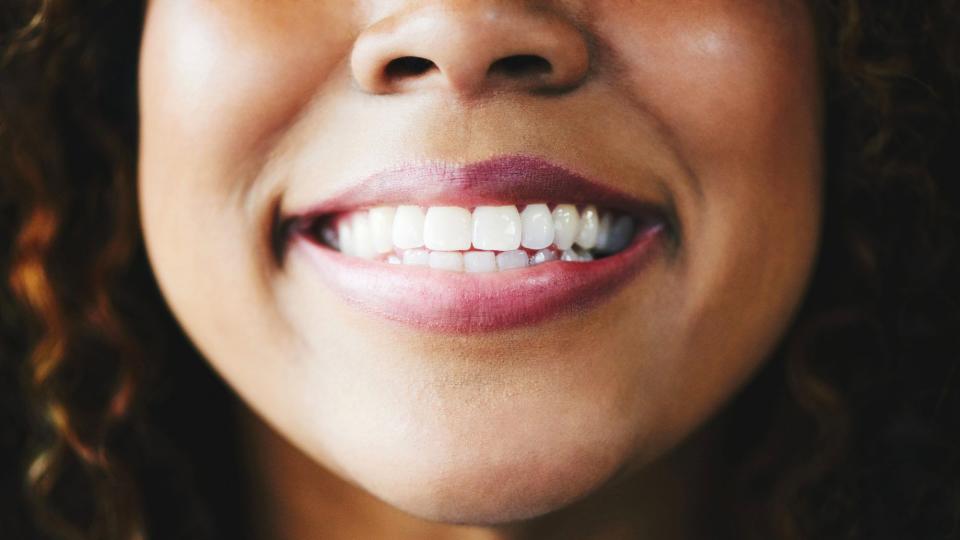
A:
[(447, 228), (542, 256), (501, 237), (416, 257), (496, 228), (381, 228), (537, 226), (446, 260), (589, 223), (566, 223), (345, 237), (362, 239), (480, 261), (509, 260), (408, 227)]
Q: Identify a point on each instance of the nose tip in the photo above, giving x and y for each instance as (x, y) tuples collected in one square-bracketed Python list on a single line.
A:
[(470, 50)]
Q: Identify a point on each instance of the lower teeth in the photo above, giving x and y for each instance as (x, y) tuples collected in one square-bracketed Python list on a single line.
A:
[(485, 261)]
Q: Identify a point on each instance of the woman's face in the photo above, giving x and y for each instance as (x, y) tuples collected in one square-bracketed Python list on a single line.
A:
[(267, 127)]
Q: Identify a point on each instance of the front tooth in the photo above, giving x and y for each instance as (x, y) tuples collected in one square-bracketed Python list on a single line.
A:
[(603, 231), (345, 237), (589, 223), (542, 256), (408, 227), (416, 257), (621, 234), (509, 260), (362, 237), (447, 228), (537, 223), (496, 228), (447, 260), (566, 222), (381, 228), (480, 261)]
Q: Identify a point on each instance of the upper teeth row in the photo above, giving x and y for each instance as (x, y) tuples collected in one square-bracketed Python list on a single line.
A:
[(369, 233)]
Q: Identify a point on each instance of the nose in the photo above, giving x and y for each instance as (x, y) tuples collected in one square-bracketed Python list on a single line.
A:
[(470, 48)]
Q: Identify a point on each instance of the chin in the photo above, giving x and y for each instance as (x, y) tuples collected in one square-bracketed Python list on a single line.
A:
[(492, 472), (494, 490)]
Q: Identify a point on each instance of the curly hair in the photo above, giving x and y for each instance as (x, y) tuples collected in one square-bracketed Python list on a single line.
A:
[(849, 431)]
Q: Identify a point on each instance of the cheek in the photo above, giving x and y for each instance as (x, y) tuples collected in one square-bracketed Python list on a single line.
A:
[(736, 86), (737, 89), (214, 92), (218, 86), (751, 110)]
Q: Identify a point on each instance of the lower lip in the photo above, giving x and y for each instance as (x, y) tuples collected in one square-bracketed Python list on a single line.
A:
[(463, 303)]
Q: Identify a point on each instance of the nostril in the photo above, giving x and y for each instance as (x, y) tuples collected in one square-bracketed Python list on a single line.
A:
[(520, 65), (408, 66)]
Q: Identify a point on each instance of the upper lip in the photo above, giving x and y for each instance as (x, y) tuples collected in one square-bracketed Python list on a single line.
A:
[(512, 179)]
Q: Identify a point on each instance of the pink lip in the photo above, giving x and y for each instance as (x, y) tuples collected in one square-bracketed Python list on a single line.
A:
[(451, 302), (502, 180)]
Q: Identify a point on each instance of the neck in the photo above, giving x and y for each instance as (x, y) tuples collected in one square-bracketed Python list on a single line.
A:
[(297, 499)]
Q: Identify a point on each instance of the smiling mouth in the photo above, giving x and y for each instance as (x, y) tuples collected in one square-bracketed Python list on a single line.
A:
[(503, 243)]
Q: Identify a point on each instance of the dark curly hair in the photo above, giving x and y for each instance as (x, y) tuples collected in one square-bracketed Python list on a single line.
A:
[(851, 430)]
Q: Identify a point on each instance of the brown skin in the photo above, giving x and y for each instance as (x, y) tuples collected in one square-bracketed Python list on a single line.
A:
[(297, 499), (250, 105)]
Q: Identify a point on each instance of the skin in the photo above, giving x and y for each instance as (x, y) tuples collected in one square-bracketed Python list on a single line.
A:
[(247, 107)]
